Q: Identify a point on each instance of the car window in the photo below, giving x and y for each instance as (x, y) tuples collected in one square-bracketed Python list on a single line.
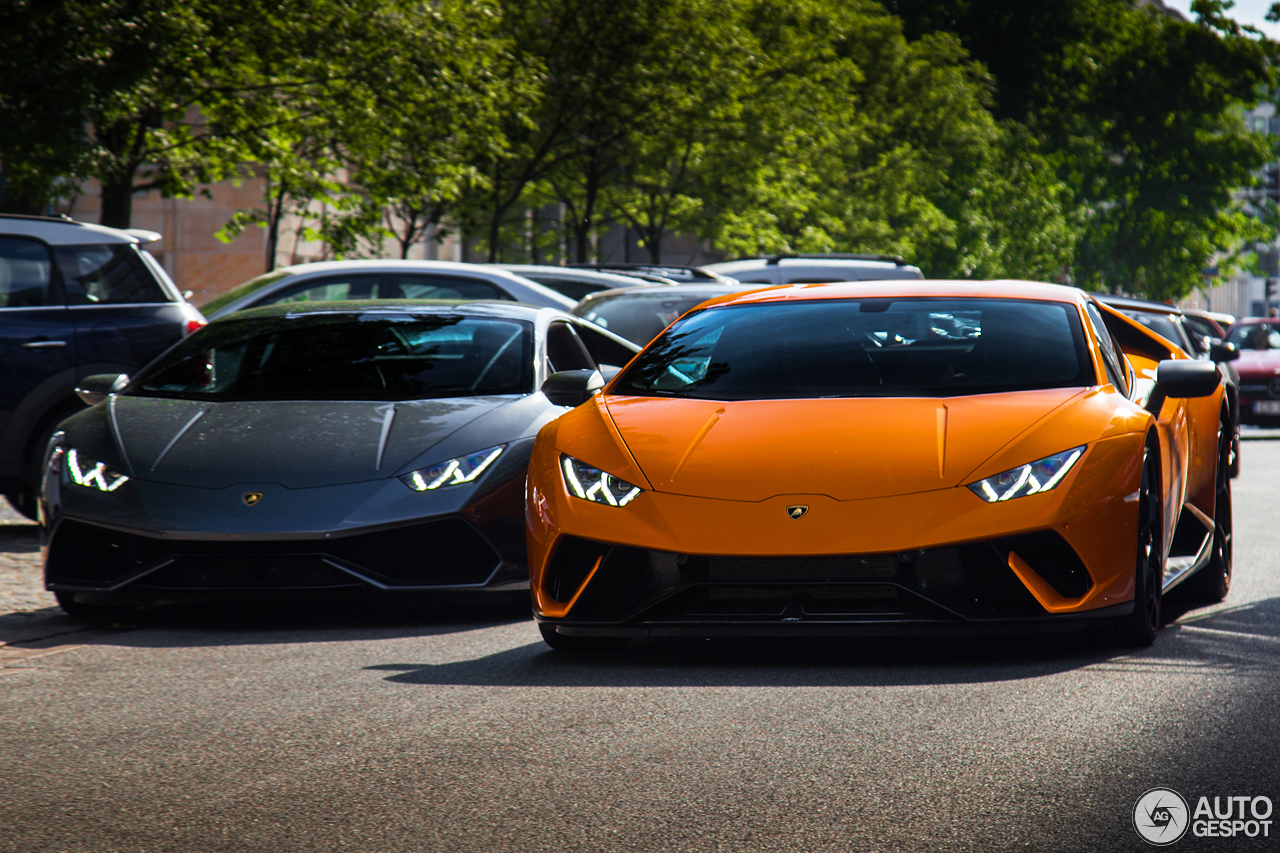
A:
[(107, 275), (1255, 336), (338, 288), (570, 287), (1201, 326), (25, 273), (604, 349), (242, 290), (327, 357), (1115, 371), (565, 350), (641, 317), (444, 287), (913, 346), (1163, 325)]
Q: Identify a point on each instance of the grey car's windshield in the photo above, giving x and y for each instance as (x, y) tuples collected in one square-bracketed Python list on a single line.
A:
[(344, 357), (865, 347)]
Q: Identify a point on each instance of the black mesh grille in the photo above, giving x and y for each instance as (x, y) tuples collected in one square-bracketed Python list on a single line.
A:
[(570, 565), (283, 572), (438, 553), (842, 568), (85, 555), (1049, 556)]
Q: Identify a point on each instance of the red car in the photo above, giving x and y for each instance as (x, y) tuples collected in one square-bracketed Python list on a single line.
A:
[(1259, 365)]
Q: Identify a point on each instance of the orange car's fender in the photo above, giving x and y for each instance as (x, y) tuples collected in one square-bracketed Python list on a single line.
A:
[(595, 441)]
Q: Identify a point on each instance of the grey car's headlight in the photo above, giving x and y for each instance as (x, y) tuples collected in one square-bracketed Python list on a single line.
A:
[(1030, 479), (452, 472), (592, 484), (92, 475)]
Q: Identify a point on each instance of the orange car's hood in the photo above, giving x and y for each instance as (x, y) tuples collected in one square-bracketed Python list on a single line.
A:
[(847, 449)]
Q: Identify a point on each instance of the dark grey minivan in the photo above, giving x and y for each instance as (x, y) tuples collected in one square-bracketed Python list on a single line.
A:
[(75, 299)]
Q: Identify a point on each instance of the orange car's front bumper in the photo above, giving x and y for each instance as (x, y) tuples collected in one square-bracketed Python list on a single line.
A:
[(669, 563)]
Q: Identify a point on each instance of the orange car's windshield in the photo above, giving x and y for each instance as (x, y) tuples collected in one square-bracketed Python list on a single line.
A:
[(918, 346)]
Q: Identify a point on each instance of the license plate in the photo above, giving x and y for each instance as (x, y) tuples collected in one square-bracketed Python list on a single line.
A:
[(1266, 407)]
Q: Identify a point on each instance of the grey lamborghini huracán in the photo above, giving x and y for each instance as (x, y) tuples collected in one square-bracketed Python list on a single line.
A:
[(349, 450)]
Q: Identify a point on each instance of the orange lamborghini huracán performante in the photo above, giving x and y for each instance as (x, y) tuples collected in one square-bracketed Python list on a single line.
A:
[(891, 457)]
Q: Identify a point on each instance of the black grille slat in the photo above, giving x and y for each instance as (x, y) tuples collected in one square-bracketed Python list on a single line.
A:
[(273, 572), (438, 553), (791, 569)]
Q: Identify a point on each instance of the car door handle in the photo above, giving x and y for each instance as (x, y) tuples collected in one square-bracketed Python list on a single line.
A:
[(43, 344)]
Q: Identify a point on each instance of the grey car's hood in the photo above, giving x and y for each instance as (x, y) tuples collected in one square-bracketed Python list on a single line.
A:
[(298, 444)]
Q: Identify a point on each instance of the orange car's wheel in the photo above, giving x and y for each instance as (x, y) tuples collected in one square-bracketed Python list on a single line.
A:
[(1214, 581), (582, 645), (1140, 627)]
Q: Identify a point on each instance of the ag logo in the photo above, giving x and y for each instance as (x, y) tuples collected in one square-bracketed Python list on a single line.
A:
[(797, 511), (251, 498), (1160, 816)]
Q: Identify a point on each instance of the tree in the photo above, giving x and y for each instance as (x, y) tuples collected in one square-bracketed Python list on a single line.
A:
[(1138, 112)]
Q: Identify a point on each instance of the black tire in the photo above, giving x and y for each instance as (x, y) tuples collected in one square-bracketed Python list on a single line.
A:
[(90, 612), (580, 645), (1213, 582), (1141, 626)]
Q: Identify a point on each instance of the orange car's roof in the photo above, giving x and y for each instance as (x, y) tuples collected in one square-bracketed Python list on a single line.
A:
[(1006, 289)]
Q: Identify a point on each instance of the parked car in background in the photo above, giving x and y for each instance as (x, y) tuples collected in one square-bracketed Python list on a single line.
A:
[(1210, 325), (1259, 368), (580, 283), (816, 269), (383, 279), (1173, 324), (640, 313), (342, 450), (669, 272), (75, 299)]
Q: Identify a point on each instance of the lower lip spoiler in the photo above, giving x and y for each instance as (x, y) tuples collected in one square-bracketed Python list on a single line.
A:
[(809, 627)]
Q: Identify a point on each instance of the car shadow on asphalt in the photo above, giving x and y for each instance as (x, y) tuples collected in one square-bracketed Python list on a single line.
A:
[(268, 623), (1235, 639)]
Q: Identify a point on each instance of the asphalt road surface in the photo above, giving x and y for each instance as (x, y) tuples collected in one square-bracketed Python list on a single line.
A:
[(303, 729)]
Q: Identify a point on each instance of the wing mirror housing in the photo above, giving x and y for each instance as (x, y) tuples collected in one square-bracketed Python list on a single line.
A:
[(94, 389), (1182, 379), (1220, 351), (572, 388)]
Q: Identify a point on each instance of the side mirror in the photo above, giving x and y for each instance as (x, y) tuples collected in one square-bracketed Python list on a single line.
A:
[(608, 371), (1221, 351), (1182, 378), (572, 388), (94, 389)]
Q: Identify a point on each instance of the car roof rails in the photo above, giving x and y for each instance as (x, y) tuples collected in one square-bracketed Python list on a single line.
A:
[(652, 269), (61, 217), (837, 256)]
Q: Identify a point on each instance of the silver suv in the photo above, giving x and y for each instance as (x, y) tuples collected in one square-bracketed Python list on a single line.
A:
[(816, 269)]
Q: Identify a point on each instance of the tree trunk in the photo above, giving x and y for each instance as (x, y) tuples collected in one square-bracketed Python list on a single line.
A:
[(117, 199), (653, 242), (275, 212)]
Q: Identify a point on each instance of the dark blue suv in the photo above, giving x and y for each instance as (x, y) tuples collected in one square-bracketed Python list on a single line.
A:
[(75, 300)]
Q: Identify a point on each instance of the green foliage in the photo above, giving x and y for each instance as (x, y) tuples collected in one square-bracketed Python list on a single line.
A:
[(1138, 112), (1085, 140)]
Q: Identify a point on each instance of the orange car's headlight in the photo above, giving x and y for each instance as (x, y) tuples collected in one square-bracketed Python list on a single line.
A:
[(1030, 479), (592, 484)]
